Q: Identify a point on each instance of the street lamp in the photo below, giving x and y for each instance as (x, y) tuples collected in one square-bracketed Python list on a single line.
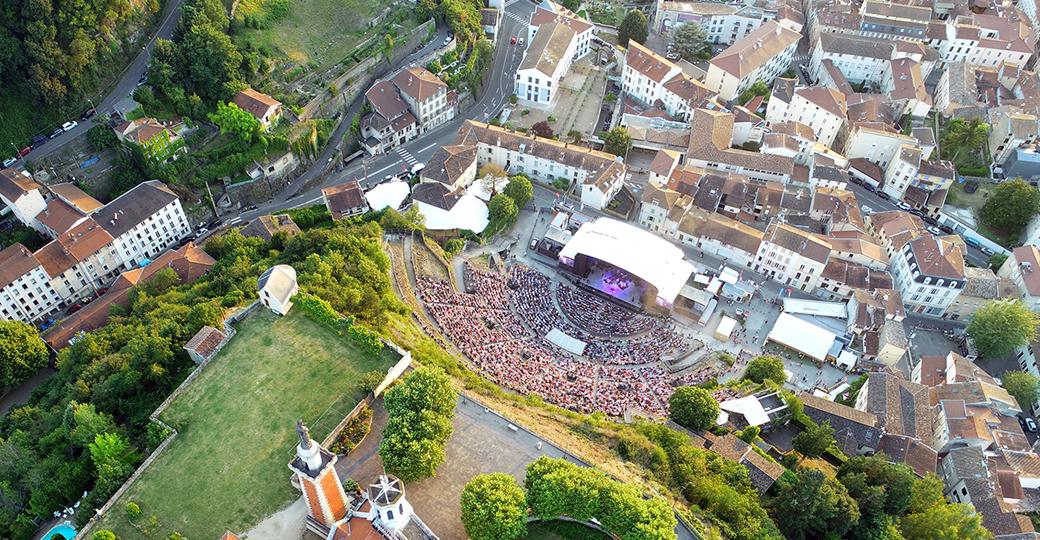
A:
[(92, 106)]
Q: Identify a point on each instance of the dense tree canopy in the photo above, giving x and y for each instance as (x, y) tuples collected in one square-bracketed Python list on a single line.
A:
[(814, 506), (693, 407), (931, 517), (520, 190), (22, 352), (1012, 204), (231, 119), (766, 367), (633, 28), (814, 440), (494, 507), (420, 410), (617, 141), (690, 42), (1023, 386), (1001, 326)]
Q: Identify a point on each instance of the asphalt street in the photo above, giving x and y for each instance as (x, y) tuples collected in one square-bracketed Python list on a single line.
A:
[(126, 85)]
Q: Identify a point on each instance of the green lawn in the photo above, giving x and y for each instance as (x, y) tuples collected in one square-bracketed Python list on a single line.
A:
[(298, 36), (236, 423), (562, 530)]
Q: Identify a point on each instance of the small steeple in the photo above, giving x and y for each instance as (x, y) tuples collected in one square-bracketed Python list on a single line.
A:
[(308, 451)]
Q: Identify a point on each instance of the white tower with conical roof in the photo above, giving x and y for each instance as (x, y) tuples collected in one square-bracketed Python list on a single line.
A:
[(389, 504)]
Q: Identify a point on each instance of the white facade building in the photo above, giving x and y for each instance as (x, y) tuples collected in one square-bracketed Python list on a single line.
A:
[(822, 109), (144, 222), (929, 274), (22, 196), (901, 171), (792, 256), (762, 55), (25, 288)]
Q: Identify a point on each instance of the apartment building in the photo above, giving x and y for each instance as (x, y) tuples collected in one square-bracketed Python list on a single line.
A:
[(547, 59), (902, 171), (25, 289), (22, 196), (412, 102), (873, 19), (840, 279), (762, 55), (1023, 269), (651, 79), (600, 175), (981, 287), (550, 12), (711, 139), (877, 144), (792, 256), (80, 261), (986, 39), (144, 222), (1010, 129), (822, 109), (903, 83), (929, 273)]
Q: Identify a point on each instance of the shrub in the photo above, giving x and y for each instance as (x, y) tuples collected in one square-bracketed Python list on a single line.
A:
[(353, 433), (371, 380), (133, 511)]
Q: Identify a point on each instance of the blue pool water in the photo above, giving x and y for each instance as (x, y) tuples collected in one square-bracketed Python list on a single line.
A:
[(64, 529)]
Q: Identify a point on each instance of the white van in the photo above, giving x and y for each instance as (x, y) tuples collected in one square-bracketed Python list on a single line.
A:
[(418, 167)]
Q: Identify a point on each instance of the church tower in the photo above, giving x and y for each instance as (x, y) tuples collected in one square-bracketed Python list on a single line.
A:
[(322, 490)]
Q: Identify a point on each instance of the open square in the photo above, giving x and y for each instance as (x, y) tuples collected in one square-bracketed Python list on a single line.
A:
[(236, 424)]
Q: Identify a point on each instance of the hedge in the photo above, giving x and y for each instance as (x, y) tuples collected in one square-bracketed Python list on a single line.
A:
[(323, 312)]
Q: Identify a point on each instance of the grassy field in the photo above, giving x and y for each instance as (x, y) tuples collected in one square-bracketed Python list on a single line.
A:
[(298, 36), (236, 423)]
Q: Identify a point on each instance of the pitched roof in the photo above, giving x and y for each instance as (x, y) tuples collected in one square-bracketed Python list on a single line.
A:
[(59, 216), (710, 138), (754, 50), (72, 247), (654, 66), (1028, 259), (15, 261), (796, 240), (937, 257), (278, 281), (133, 207), (256, 103), (14, 184), (343, 198), (448, 163), (902, 407), (547, 50), (853, 428), (911, 452), (418, 83), (76, 197), (543, 16), (266, 226), (762, 471), (385, 100), (826, 98), (703, 224), (856, 276), (205, 341)]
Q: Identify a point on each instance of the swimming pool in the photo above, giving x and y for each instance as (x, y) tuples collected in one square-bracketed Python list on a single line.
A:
[(64, 529)]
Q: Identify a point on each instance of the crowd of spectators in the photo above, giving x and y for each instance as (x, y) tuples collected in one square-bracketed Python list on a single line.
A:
[(602, 317), (501, 325)]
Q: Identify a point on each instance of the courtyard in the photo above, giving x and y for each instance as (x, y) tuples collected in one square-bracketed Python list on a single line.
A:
[(576, 107), (236, 424)]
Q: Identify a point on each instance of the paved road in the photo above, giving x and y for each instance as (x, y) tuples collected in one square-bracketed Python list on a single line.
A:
[(506, 61), (126, 85)]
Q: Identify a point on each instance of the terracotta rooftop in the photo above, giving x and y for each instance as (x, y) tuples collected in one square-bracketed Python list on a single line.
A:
[(1028, 259), (342, 198), (15, 261), (419, 83), (14, 184), (796, 240), (72, 247), (268, 225), (828, 99), (59, 216), (449, 162), (76, 197), (755, 49), (256, 103), (938, 258), (205, 341), (650, 64), (855, 276)]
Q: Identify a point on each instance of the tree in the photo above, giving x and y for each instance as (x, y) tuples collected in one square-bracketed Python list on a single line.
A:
[(575, 136), (104, 535), (102, 137), (813, 506), (997, 260), (502, 210), (1023, 386), (1001, 326), (494, 507), (231, 119), (1011, 206), (520, 190), (542, 129), (964, 135), (633, 28), (690, 42), (814, 440), (932, 517), (693, 408), (22, 352), (766, 367), (110, 448), (388, 48), (572, 5), (420, 410), (617, 141), (759, 88)]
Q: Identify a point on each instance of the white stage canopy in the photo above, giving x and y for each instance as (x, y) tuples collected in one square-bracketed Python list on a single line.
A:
[(815, 307), (469, 213), (570, 344), (388, 195), (802, 336), (652, 258)]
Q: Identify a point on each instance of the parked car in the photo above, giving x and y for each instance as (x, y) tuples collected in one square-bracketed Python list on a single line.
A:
[(1030, 425), (10, 161), (39, 139), (513, 41), (88, 114), (903, 206), (520, 42), (69, 126), (24, 151), (935, 231), (143, 80), (418, 168), (866, 210), (672, 56), (870, 188), (987, 251)]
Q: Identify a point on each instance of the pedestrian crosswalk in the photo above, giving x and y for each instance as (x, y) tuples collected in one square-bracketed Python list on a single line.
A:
[(407, 157), (516, 18)]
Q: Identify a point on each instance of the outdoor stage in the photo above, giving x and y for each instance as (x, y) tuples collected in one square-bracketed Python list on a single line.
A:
[(617, 284)]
